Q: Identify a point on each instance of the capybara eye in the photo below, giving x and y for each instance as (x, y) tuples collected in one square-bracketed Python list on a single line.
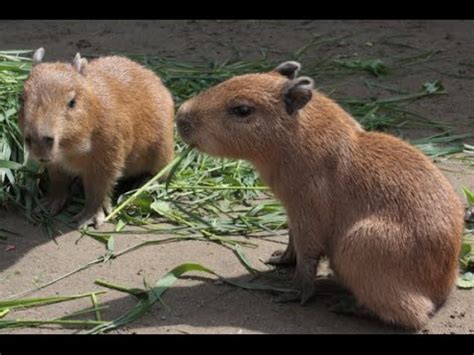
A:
[(72, 103), (242, 110)]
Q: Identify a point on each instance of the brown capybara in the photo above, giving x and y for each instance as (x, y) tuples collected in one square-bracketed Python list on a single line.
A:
[(387, 219), (101, 121)]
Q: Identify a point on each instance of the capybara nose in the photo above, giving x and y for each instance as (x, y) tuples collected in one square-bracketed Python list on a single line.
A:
[(48, 141), (184, 126)]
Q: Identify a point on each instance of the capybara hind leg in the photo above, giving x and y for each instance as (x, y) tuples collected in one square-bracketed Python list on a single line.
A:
[(409, 311), (367, 264)]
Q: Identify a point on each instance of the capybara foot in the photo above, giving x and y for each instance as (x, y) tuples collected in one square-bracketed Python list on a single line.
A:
[(86, 218), (281, 257)]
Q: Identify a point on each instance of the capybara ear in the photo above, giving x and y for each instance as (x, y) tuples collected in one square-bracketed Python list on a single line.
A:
[(298, 93), (38, 56), (289, 69), (80, 64)]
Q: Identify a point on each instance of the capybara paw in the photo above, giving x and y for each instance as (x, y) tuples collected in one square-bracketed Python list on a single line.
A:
[(276, 258), (107, 206), (86, 218), (306, 286), (281, 257)]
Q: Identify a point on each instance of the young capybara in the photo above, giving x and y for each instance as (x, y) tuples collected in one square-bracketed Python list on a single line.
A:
[(387, 219), (100, 121)]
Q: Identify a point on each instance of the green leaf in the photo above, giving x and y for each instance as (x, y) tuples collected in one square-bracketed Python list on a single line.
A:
[(152, 297), (102, 238), (6, 164), (433, 87), (121, 223), (143, 202), (469, 196), (465, 250), (35, 302), (243, 259), (4, 312), (373, 66), (465, 255), (110, 244), (133, 291), (161, 207), (434, 150), (443, 138), (466, 280)]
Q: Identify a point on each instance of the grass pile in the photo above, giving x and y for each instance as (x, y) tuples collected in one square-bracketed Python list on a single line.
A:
[(205, 198)]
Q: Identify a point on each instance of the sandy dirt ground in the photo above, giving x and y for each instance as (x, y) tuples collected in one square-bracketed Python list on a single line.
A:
[(199, 304)]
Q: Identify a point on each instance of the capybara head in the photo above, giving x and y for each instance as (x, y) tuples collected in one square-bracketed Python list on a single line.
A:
[(54, 113), (247, 115)]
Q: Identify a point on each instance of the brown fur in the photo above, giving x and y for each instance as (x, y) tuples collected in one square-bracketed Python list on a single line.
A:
[(120, 126), (389, 221)]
